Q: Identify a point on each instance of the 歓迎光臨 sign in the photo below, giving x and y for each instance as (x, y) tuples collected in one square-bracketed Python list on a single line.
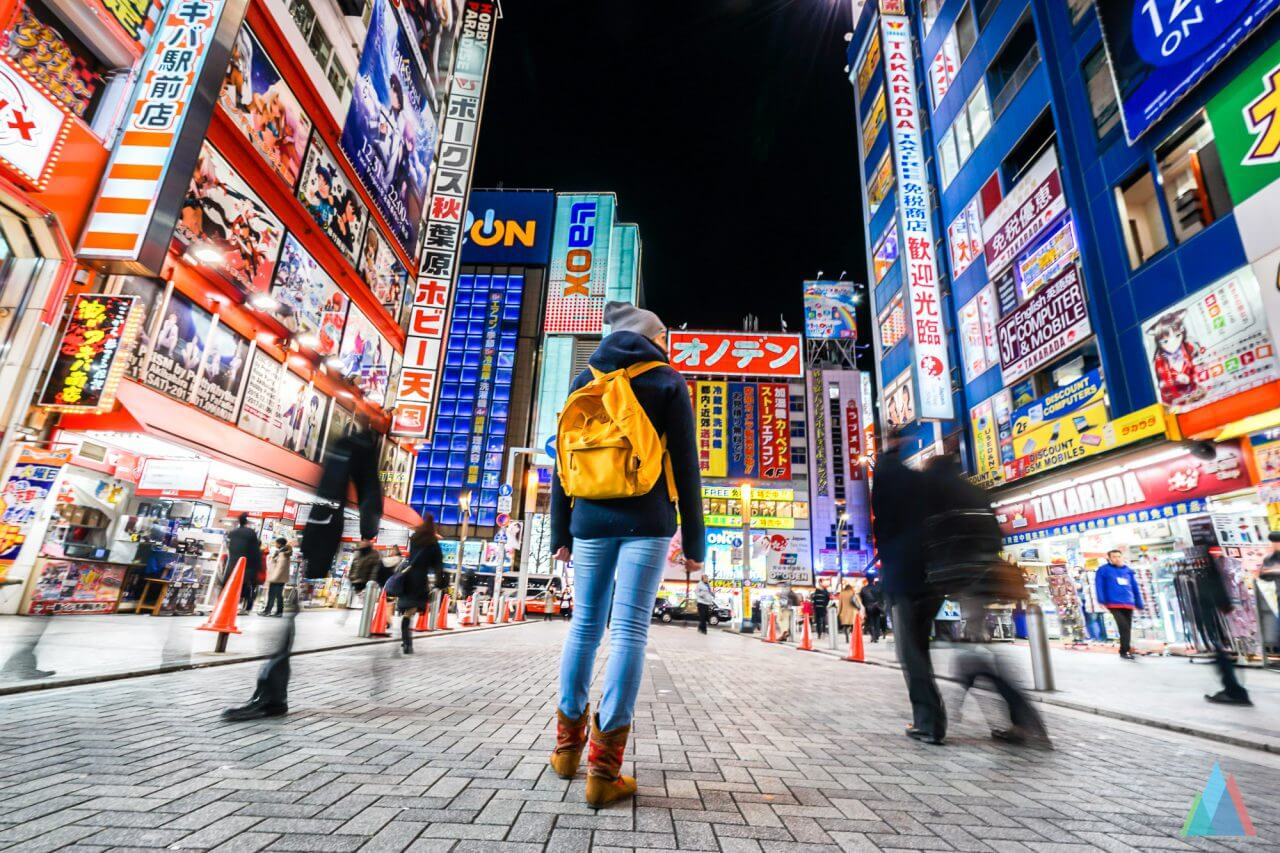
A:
[(1029, 208), (1050, 323), (931, 361), (736, 353)]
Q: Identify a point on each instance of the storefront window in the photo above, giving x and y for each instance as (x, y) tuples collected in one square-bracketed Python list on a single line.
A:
[(1102, 94), (1191, 174), (1140, 219)]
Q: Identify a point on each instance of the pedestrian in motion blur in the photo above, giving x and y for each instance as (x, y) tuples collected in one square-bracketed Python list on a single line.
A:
[(899, 509), (873, 606), (278, 576), (352, 460), (426, 560), (849, 606), (628, 416), (242, 541), (1214, 598), (706, 599), (963, 541), (1117, 589), (820, 599)]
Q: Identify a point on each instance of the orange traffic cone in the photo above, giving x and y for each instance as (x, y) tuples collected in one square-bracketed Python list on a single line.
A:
[(492, 609), (223, 617), (504, 612), (424, 619), (771, 633), (856, 651), (806, 641), (442, 618), (378, 627), (520, 611)]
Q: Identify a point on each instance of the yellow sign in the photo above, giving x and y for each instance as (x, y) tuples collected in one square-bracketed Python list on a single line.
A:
[(734, 493), (869, 64), (986, 442), (881, 183), (713, 430), (1079, 436), (875, 121), (758, 522)]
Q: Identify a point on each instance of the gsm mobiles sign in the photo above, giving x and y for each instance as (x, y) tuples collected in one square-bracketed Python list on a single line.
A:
[(580, 257)]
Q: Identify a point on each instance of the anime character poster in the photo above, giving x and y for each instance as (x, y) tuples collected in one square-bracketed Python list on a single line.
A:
[(390, 130), (264, 108), (260, 392), (308, 301), (1211, 345), (222, 212), (433, 27), (382, 270), (225, 358), (179, 347), (366, 357), (149, 295), (299, 421), (330, 199)]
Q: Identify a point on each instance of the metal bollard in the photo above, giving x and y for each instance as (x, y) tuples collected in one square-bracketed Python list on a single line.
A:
[(372, 592), (833, 627), (1038, 639)]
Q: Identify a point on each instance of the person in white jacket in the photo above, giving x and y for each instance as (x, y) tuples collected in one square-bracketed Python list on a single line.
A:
[(706, 603)]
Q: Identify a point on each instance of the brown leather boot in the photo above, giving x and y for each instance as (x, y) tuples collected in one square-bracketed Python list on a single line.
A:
[(605, 782), (571, 737)]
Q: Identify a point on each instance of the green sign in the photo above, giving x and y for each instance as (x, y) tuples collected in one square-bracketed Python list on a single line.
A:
[(1246, 125)]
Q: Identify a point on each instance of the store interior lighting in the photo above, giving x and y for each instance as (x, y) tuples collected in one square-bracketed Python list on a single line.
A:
[(206, 254)]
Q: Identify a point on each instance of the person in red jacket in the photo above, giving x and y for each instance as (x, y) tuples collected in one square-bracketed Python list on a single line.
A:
[(1117, 588)]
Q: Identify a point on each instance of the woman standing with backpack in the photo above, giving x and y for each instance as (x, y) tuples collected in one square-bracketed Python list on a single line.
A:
[(626, 459)]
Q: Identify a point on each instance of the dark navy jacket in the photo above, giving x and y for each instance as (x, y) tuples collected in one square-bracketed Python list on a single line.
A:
[(664, 396)]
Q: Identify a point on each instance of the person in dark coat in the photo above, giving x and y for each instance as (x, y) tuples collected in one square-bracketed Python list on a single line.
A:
[(873, 604), (353, 460), (821, 598), (242, 541), (426, 559), (899, 510), (1213, 598)]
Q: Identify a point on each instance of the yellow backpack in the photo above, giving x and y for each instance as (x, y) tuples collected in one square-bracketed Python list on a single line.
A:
[(606, 446)]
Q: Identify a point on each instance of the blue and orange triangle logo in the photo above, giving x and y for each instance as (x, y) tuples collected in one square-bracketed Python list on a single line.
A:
[(1218, 810)]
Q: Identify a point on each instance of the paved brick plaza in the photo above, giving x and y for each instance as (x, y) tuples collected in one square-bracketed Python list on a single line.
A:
[(740, 747)]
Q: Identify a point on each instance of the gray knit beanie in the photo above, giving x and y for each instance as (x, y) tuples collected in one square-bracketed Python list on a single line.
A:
[(625, 317)]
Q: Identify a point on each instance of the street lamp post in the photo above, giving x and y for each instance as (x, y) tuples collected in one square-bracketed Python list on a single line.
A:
[(745, 498), (464, 506)]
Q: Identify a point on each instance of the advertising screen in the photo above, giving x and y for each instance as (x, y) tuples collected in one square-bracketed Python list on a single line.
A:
[(1211, 345), (1160, 49), (218, 387), (893, 324), (179, 346), (390, 130), (508, 228), (264, 108), (830, 311), (330, 199), (221, 211)]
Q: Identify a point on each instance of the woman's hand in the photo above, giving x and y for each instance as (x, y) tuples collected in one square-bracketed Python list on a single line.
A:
[(562, 554), (691, 566)]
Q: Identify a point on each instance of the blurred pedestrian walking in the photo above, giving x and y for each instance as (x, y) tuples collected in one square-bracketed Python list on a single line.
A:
[(706, 599), (820, 598), (1117, 589), (963, 543), (900, 509), (626, 459), (411, 584), (242, 541), (352, 460), (277, 576), (874, 606), (849, 607), (1213, 599)]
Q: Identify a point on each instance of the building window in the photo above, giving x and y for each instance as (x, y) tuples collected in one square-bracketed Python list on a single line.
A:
[(929, 10), (986, 8), (966, 132), (1195, 188), (1102, 94), (966, 32), (1078, 8), (948, 162), (1014, 63), (1139, 209), (1027, 151), (320, 46)]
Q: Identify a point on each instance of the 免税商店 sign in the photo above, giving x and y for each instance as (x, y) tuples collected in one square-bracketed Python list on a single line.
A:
[(1050, 323), (931, 361)]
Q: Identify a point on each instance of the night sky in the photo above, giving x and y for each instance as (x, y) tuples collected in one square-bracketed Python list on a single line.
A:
[(726, 128)]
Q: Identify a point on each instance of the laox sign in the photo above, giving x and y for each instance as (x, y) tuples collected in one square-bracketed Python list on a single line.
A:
[(582, 237)]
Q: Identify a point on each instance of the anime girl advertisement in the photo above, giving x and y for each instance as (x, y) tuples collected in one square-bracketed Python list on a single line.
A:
[(382, 270), (390, 130), (331, 201), (222, 212), (309, 302), (366, 357), (264, 108), (1212, 345)]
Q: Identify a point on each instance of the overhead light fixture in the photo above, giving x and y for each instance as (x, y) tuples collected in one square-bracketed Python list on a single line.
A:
[(333, 363), (206, 254), (264, 302), (308, 339)]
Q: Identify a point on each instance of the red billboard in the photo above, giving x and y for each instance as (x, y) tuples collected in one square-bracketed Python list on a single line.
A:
[(772, 354)]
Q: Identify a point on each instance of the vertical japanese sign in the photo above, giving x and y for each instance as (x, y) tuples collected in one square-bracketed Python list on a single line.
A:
[(434, 290), (168, 113), (484, 388), (89, 364), (775, 432), (743, 440), (818, 432), (853, 439), (713, 456), (24, 494), (931, 362), (579, 274)]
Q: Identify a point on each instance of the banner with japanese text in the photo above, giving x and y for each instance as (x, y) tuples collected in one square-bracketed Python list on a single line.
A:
[(24, 495), (744, 439), (775, 432), (768, 354), (710, 411), (91, 357), (931, 362)]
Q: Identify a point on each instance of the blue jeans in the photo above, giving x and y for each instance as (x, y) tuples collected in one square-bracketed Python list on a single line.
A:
[(628, 571)]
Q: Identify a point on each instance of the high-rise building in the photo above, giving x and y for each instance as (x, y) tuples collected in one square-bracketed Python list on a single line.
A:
[(1081, 198)]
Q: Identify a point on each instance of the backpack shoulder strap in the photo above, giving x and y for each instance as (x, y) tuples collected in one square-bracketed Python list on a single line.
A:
[(596, 374), (669, 473), (643, 367)]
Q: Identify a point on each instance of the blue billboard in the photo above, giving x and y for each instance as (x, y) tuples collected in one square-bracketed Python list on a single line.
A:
[(508, 227), (830, 311), (1160, 49)]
